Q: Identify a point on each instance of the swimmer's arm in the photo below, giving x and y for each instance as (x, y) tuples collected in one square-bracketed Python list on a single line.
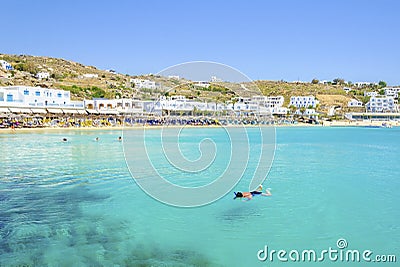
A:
[(248, 198)]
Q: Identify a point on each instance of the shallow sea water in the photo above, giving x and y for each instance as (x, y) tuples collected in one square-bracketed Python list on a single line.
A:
[(76, 204)]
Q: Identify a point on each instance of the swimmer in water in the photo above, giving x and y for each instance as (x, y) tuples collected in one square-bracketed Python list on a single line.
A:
[(96, 139), (249, 195), (65, 140), (120, 139)]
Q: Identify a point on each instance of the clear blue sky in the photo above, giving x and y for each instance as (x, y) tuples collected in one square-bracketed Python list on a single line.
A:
[(288, 39)]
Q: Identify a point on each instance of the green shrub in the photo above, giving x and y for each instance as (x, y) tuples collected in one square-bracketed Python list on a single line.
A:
[(28, 67)]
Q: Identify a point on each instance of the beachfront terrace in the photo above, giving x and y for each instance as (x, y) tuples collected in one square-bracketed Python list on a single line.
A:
[(38, 100), (373, 116)]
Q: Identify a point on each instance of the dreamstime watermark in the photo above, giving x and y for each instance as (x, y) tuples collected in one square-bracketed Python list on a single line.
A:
[(340, 253), (140, 145)]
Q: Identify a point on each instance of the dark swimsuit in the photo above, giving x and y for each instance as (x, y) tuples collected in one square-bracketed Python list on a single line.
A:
[(255, 193)]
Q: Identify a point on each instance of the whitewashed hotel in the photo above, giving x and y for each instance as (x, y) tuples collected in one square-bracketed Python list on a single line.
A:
[(307, 112), (346, 89), (5, 65), (179, 103), (354, 103), (42, 75), (370, 94), (113, 106), (382, 104), (89, 76), (248, 105), (364, 84), (303, 101), (144, 84), (273, 104), (37, 99), (392, 91), (269, 101), (244, 108)]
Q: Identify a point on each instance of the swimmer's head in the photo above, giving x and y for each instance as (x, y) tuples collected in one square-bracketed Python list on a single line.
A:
[(238, 194)]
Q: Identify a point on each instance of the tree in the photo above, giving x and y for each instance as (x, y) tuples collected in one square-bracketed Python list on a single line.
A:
[(382, 92), (365, 99), (302, 110), (382, 84), (234, 101), (315, 81), (338, 81), (28, 67), (292, 109)]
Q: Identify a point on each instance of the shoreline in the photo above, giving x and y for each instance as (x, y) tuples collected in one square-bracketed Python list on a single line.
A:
[(148, 127)]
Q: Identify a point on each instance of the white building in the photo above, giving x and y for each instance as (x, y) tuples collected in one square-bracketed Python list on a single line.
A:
[(173, 77), (5, 65), (245, 105), (90, 75), (273, 104), (144, 84), (215, 79), (303, 101), (171, 103), (245, 108), (363, 84), (180, 104), (373, 116), (113, 106), (382, 104), (347, 89), (279, 111), (308, 112), (324, 82), (370, 94), (203, 84), (37, 98), (42, 75), (354, 103), (268, 101), (392, 91)]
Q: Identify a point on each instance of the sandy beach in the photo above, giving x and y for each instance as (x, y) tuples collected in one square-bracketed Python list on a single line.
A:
[(368, 123), (148, 127)]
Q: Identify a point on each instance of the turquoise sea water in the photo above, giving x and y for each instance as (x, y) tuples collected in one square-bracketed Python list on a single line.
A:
[(75, 203)]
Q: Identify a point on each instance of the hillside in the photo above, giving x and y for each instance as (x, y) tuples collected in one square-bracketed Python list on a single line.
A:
[(328, 95), (69, 75)]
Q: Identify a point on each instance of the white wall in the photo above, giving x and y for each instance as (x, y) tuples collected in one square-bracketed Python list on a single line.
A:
[(26, 96), (303, 101), (382, 104)]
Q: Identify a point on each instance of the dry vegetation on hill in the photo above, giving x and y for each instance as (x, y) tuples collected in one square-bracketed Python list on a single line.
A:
[(67, 75)]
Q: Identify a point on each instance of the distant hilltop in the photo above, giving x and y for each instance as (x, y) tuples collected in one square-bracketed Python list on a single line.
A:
[(87, 82)]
